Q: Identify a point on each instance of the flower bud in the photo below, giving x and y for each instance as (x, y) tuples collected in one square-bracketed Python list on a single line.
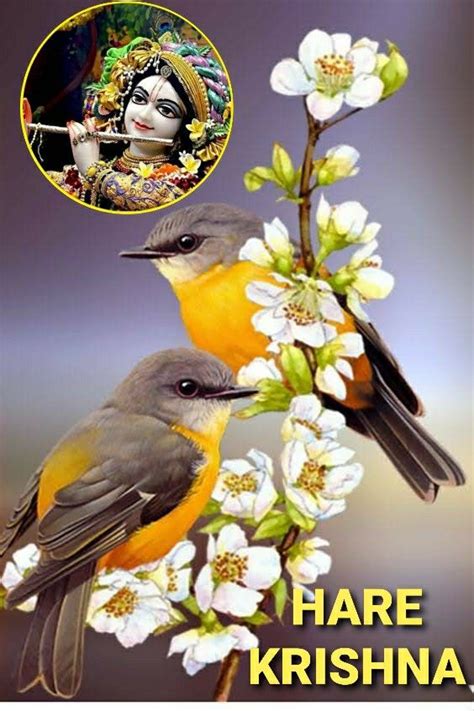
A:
[(392, 70), (338, 163)]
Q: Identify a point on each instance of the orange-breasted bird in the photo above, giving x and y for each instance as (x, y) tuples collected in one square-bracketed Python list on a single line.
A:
[(197, 249), (120, 489)]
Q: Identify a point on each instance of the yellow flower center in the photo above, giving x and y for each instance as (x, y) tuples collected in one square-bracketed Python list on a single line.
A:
[(298, 314), (122, 603), (309, 425), (238, 484), (229, 567), (334, 73), (311, 478), (172, 579)]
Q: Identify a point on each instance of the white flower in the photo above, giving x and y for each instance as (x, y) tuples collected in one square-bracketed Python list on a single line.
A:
[(330, 72), (257, 370), (234, 573), (172, 572), (332, 364), (306, 562), (338, 163), (317, 477), (344, 224), (246, 490), (308, 420), (369, 280), (275, 245), (24, 560), (129, 607), (189, 162), (295, 312), (201, 647)]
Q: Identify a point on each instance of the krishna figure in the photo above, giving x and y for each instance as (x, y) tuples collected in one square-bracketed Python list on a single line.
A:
[(169, 90)]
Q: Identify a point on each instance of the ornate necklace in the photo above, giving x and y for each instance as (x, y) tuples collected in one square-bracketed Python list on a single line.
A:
[(128, 160)]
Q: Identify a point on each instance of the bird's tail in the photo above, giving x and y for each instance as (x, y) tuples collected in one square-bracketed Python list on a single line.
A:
[(53, 651), (422, 462)]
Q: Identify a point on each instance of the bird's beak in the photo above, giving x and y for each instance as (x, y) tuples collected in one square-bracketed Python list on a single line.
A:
[(231, 393), (144, 253)]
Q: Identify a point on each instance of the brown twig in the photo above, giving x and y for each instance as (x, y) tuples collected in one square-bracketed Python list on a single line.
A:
[(330, 124), (314, 129), (230, 665)]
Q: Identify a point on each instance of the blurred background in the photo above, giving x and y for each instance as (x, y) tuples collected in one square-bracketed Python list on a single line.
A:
[(75, 318)]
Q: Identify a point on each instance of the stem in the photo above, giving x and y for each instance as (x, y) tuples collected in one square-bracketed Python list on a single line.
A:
[(228, 672), (230, 665), (330, 124), (314, 129)]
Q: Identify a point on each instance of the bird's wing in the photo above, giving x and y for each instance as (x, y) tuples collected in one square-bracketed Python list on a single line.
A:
[(149, 471), (23, 515), (388, 367)]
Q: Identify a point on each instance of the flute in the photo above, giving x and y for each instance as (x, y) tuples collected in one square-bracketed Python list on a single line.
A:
[(102, 135)]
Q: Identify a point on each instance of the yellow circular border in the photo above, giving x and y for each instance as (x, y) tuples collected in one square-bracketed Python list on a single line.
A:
[(40, 167)]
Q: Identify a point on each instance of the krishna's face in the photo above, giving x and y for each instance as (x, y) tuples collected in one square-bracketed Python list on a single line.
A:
[(155, 110)]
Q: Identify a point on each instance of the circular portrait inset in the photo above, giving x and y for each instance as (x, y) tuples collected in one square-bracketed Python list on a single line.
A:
[(126, 107)]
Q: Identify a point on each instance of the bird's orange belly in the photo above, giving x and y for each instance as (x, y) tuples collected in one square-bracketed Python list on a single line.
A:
[(158, 538)]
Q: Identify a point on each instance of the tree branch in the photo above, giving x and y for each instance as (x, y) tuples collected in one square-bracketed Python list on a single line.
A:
[(314, 129), (230, 665), (330, 124)]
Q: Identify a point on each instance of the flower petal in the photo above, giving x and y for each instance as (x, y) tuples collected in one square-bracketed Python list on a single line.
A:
[(341, 42), (264, 293), (263, 567), (231, 538), (236, 600), (365, 91), (322, 107), (329, 381), (363, 59), (314, 45), (255, 251), (204, 588), (288, 77), (323, 213)]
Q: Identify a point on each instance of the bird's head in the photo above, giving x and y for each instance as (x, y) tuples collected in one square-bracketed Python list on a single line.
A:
[(181, 386), (190, 241)]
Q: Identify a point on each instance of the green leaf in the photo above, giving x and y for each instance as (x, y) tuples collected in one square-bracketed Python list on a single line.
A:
[(216, 524), (296, 369), (298, 518), (283, 168), (280, 593), (211, 508), (258, 618), (190, 604), (3, 594), (258, 176), (275, 524)]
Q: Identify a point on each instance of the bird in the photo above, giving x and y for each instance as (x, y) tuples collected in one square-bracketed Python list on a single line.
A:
[(120, 489), (196, 248)]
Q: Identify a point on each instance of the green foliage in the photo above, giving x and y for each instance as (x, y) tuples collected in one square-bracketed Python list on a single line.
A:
[(296, 369), (257, 619), (212, 507), (273, 397), (307, 524), (255, 178), (191, 605), (280, 594), (282, 174), (274, 525), (216, 524)]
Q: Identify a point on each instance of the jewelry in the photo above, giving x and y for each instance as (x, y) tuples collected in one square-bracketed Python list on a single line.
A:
[(128, 160)]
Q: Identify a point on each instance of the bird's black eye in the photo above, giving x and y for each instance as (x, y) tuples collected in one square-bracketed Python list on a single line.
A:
[(187, 388), (187, 243)]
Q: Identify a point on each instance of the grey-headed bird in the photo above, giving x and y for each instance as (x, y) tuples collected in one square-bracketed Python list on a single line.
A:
[(120, 489), (197, 249)]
